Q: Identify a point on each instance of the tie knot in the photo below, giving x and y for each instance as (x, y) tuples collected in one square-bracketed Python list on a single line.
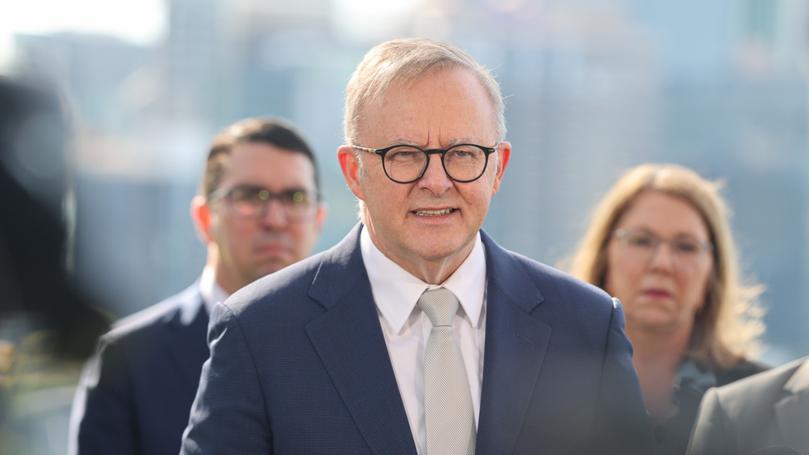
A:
[(440, 305)]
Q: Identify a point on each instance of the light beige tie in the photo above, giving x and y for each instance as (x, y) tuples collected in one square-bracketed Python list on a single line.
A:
[(448, 413)]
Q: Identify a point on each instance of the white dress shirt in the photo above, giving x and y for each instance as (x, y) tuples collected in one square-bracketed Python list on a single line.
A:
[(211, 292), (406, 329)]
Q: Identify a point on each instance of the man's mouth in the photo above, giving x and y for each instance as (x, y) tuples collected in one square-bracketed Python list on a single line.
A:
[(436, 212), (272, 248)]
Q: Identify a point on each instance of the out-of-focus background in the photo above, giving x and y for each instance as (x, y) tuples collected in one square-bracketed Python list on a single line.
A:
[(592, 87)]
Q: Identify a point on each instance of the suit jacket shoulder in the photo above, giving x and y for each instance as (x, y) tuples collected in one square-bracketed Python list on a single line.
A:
[(564, 299), (274, 308), (768, 409), (135, 392), (562, 284), (278, 291), (742, 369), (180, 308), (752, 395)]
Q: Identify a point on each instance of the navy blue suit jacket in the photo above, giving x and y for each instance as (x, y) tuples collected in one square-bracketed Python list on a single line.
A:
[(135, 393), (299, 366)]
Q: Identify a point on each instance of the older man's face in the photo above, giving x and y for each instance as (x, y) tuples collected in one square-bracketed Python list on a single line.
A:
[(434, 218)]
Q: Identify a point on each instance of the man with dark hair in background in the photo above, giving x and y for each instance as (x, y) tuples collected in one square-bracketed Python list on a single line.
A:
[(258, 210)]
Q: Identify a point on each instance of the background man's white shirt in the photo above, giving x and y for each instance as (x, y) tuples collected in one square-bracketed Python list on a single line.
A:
[(211, 292)]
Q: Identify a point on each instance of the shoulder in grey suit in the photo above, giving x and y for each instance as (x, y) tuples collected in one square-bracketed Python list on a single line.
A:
[(766, 413)]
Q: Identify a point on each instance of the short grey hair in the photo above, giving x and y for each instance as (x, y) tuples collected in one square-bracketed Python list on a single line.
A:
[(405, 61)]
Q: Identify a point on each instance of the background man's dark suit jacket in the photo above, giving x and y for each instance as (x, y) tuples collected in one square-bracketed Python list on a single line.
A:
[(135, 394), (299, 366), (770, 409)]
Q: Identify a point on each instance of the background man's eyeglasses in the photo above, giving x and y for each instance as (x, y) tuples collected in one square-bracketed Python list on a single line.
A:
[(463, 163), (252, 201), (643, 245)]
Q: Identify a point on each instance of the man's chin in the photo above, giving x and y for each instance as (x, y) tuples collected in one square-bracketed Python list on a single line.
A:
[(438, 252)]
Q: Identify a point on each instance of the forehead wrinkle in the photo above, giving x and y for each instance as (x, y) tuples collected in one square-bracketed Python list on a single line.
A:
[(426, 117), (449, 141)]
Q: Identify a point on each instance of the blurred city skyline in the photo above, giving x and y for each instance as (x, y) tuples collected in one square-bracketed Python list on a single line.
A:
[(144, 22), (592, 87)]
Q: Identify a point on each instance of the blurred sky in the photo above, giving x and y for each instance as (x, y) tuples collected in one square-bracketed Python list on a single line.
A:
[(143, 22), (140, 22)]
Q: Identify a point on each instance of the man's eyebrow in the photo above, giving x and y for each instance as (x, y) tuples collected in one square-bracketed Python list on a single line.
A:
[(258, 186), (403, 141), (247, 186), (454, 141)]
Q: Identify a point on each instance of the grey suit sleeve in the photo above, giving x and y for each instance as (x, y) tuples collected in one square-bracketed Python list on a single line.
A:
[(623, 425), (228, 415), (711, 435), (101, 420)]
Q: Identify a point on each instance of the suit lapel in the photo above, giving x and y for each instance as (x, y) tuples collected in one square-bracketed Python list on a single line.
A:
[(350, 343), (514, 352), (792, 412)]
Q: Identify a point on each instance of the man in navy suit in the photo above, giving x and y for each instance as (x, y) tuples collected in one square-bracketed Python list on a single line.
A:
[(418, 334), (258, 211)]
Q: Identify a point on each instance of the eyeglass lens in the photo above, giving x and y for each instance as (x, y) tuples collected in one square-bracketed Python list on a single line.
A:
[(253, 201), (644, 244), (461, 163)]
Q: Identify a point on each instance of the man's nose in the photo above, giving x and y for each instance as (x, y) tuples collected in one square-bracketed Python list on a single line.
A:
[(273, 214), (435, 178)]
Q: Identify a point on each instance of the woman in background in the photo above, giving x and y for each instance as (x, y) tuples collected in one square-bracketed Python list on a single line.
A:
[(660, 242)]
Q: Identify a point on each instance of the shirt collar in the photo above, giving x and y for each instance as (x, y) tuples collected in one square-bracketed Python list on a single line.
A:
[(396, 291), (211, 292)]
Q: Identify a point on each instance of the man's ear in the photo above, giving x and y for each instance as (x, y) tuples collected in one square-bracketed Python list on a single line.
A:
[(350, 165), (320, 217), (201, 216), (503, 157)]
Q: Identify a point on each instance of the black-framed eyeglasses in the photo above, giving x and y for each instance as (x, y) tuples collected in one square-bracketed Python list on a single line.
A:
[(252, 201), (463, 163)]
